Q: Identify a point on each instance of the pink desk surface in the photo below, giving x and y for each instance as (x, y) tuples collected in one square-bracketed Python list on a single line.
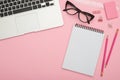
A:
[(39, 56)]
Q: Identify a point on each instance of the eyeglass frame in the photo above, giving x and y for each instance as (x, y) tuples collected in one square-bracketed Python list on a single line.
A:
[(79, 11)]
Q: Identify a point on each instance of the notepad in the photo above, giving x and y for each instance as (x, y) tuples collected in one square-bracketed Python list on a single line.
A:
[(110, 9), (83, 49)]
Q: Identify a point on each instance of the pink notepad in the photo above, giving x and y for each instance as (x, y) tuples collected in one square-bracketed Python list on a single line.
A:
[(110, 9)]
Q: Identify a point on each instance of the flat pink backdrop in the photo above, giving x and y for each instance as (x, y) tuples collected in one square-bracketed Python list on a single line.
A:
[(39, 56)]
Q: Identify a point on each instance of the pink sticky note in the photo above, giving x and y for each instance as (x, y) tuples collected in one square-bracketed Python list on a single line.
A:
[(110, 9)]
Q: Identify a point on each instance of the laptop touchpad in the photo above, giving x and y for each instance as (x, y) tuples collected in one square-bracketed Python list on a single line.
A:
[(27, 23)]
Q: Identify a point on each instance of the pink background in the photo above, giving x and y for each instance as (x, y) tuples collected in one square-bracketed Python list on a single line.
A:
[(39, 56)]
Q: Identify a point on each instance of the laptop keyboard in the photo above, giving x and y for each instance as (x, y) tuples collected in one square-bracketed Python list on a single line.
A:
[(10, 7)]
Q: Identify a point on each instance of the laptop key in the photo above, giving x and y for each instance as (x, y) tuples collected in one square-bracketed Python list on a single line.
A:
[(1, 15), (3, 6), (22, 1), (15, 3), (21, 5), (9, 8), (5, 1), (33, 3), (52, 4), (37, 2), (1, 10), (11, 4), (43, 5), (9, 0), (6, 9), (22, 10), (26, 0), (47, 4), (35, 7), (7, 5), (29, 3), (47, 0), (1, 2), (10, 13), (18, 2), (5, 14), (41, 1), (17, 6), (39, 6), (13, 7), (25, 5)]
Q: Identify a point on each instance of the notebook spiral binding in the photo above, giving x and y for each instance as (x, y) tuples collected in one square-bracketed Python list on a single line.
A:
[(89, 28)]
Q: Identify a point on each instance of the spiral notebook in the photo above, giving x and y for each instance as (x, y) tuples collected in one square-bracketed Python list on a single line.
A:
[(83, 49)]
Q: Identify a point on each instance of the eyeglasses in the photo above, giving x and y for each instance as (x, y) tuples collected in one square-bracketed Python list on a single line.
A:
[(84, 17)]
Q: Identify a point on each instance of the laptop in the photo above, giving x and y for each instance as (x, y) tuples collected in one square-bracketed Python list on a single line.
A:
[(18, 17)]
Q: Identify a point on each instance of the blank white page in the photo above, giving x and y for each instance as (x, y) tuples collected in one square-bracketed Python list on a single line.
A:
[(83, 50)]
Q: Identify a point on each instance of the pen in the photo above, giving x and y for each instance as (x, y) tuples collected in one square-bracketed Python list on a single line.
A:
[(109, 54), (103, 62)]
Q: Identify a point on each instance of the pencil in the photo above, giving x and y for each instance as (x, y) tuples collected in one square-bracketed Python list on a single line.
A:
[(109, 54), (104, 56)]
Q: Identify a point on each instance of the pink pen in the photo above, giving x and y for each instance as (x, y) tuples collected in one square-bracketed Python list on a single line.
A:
[(117, 30), (104, 56)]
